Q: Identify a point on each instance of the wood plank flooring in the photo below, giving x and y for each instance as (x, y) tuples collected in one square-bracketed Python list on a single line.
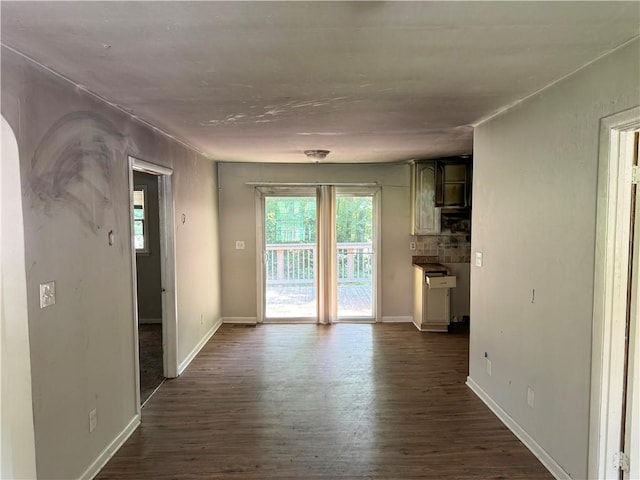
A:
[(307, 401), (151, 370)]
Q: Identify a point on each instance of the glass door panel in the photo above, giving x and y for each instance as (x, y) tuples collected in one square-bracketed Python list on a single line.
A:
[(355, 255), (290, 257)]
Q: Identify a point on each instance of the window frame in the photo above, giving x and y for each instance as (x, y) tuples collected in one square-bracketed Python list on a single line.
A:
[(145, 250)]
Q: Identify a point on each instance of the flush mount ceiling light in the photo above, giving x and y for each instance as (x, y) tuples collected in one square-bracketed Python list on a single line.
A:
[(316, 155)]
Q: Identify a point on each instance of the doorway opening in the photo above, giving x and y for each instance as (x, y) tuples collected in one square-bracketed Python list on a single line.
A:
[(153, 262), (318, 254), (146, 223), (17, 438), (614, 437)]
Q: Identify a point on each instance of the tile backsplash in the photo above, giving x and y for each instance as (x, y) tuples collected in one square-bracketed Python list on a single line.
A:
[(447, 248)]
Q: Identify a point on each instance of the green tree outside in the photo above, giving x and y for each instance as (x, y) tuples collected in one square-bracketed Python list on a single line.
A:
[(292, 220), (354, 219)]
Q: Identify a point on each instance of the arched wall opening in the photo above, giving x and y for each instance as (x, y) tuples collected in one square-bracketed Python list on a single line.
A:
[(17, 445)]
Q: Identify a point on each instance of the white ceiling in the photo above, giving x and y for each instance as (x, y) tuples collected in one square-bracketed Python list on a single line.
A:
[(370, 81)]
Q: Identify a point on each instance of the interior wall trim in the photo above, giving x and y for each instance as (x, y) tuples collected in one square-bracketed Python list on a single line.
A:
[(240, 320), (547, 460), (111, 449), (149, 167), (405, 319), (203, 341), (611, 257)]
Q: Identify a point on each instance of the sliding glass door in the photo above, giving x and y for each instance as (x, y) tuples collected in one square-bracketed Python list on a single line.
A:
[(319, 254), (355, 256), (290, 257)]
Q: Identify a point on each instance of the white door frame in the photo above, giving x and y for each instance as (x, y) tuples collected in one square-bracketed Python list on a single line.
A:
[(610, 289), (632, 407), (261, 192), (375, 193), (167, 268)]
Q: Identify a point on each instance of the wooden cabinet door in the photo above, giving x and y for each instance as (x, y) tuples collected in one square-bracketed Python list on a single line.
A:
[(426, 216)]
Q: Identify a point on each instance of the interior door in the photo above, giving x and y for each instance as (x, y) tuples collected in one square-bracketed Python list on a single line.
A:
[(630, 438), (631, 441), (290, 253)]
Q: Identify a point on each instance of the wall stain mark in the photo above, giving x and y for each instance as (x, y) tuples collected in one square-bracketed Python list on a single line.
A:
[(74, 166)]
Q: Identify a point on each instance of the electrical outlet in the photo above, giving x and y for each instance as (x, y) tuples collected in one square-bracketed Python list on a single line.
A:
[(47, 294), (531, 397), (479, 259), (202, 319), (488, 367), (93, 420), (239, 245), (412, 245)]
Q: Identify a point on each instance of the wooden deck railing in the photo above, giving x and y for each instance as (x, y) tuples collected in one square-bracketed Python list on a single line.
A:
[(296, 262)]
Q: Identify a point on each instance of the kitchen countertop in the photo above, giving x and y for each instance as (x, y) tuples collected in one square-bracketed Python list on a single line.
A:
[(432, 268)]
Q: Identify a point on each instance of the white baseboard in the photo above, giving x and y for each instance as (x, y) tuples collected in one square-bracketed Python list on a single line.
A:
[(111, 449), (556, 470), (241, 320), (145, 321), (397, 319), (185, 363)]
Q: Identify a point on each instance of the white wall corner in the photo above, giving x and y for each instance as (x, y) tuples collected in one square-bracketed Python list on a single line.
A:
[(405, 319), (111, 449), (207, 336), (240, 320), (554, 468)]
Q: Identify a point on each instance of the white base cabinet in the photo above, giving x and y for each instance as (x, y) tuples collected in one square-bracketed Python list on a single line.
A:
[(432, 300)]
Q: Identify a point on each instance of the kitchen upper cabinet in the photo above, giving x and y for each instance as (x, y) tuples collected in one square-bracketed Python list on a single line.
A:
[(453, 183), (441, 195), (426, 216)]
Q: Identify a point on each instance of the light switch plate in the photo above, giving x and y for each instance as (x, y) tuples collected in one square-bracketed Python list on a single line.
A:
[(239, 245), (531, 396), (47, 294), (93, 420), (479, 259)]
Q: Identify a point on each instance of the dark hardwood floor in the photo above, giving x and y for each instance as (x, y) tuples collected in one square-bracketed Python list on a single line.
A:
[(307, 401), (151, 369)]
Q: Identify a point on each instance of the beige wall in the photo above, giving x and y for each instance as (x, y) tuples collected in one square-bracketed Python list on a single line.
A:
[(74, 169), (534, 217), (238, 222), (197, 251)]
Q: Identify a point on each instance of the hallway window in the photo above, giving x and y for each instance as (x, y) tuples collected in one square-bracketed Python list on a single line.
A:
[(141, 240)]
